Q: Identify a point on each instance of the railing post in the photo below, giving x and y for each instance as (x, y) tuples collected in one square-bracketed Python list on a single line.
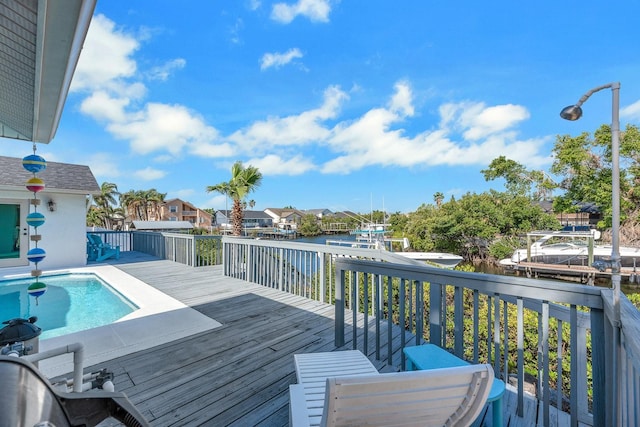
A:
[(458, 315), (435, 303), (281, 267), (339, 307), (598, 368), (193, 252), (322, 276), (248, 269)]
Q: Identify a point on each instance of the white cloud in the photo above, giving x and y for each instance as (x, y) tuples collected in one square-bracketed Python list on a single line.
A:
[(107, 72), (370, 140), (467, 133), (235, 30), (631, 112), (275, 165), (401, 102), (479, 121), (294, 130), (277, 60), (103, 166), (205, 149), (149, 174), (254, 4), (106, 57), (103, 107), (315, 10), (162, 127), (165, 70)]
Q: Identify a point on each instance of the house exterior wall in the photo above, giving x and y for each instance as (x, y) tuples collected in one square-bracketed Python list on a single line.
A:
[(179, 210), (64, 231)]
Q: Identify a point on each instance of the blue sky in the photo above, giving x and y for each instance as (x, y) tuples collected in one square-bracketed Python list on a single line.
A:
[(340, 104)]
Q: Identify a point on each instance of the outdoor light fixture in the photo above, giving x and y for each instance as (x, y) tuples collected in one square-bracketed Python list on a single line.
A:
[(51, 205), (574, 112)]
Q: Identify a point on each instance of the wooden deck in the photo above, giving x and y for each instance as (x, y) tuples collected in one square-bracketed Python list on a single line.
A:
[(237, 374)]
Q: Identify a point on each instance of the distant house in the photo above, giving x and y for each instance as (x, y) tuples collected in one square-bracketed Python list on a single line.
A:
[(175, 226), (319, 213), (285, 218), (64, 204), (179, 210), (586, 214), (251, 219)]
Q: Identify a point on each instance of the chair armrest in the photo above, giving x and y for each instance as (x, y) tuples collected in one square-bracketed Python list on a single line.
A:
[(298, 414)]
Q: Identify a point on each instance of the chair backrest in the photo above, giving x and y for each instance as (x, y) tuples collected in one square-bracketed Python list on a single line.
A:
[(437, 397), (94, 239)]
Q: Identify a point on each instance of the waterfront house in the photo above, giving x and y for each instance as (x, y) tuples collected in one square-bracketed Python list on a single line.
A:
[(285, 218), (586, 214), (180, 210), (319, 213), (250, 219)]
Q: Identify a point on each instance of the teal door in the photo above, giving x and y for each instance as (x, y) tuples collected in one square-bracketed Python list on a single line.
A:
[(13, 233)]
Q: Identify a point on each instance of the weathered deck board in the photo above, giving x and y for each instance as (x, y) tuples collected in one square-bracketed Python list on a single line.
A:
[(237, 374)]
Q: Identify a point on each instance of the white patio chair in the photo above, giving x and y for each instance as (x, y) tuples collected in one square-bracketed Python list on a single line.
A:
[(327, 396)]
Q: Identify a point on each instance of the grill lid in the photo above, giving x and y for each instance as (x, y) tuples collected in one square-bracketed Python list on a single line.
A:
[(19, 330)]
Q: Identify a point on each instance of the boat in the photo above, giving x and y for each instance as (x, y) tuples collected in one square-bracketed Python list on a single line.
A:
[(372, 236), (570, 248)]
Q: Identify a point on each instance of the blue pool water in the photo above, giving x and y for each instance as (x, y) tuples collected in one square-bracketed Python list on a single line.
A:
[(72, 303)]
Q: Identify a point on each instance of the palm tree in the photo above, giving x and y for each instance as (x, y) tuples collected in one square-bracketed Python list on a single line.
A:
[(104, 203), (438, 197), (243, 181), (143, 205), (129, 202), (152, 200)]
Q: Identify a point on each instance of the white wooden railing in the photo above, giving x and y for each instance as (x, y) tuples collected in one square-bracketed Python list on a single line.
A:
[(559, 336), (192, 250)]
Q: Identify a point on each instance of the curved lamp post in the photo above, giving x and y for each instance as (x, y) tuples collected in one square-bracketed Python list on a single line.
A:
[(574, 112)]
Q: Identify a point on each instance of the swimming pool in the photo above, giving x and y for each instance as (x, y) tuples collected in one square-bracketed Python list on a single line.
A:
[(73, 302)]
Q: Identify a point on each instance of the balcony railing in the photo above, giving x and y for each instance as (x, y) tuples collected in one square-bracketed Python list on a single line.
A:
[(562, 338), (188, 249)]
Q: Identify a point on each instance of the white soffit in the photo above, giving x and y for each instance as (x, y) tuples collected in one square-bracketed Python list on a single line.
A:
[(40, 43)]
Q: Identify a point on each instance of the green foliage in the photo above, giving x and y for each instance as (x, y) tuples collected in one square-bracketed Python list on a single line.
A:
[(635, 299), (584, 162), (518, 180), (209, 251), (469, 226), (397, 222), (504, 247), (102, 210), (309, 226)]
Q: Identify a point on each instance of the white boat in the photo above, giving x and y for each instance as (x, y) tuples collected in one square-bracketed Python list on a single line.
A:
[(372, 236), (442, 259), (570, 248)]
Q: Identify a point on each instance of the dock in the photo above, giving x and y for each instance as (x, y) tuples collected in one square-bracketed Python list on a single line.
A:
[(576, 273)]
